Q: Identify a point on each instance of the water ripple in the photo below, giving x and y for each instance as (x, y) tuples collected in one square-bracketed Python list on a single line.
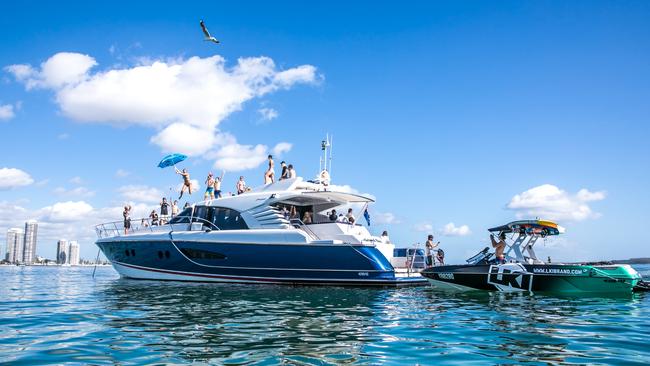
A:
[(61, 315)]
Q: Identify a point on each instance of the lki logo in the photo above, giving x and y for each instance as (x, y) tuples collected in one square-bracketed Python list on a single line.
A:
[(510, 277)]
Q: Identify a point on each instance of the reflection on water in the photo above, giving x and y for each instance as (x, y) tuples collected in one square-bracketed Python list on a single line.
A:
[(56, 315)]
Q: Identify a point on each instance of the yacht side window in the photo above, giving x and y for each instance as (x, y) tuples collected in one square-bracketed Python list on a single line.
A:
[(227, 219), (183, 217)]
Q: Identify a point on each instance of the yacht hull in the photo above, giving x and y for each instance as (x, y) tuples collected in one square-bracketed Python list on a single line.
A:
[(516, 277), (310, 264)]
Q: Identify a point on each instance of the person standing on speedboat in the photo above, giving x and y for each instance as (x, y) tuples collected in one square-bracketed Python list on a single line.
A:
[(499, 247), (429, 246), (186, 181)]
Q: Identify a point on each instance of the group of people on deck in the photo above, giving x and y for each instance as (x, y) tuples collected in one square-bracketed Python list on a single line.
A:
[(288, 172)]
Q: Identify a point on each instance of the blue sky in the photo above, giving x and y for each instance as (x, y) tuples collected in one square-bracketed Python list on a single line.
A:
[(471, 113)]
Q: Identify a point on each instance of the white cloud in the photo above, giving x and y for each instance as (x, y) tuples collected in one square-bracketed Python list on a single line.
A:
[(386, 218), (74, 192), (423, 227), (452, 230), (267, 114), (59, 71), (141, 193), (6, 112), (121, 173), (66, 211), (184, 99), (550, 202), (63, 136), (236, 157), (76, 180), (13, 178)]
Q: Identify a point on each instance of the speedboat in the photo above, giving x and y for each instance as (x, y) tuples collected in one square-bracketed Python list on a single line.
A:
[(521, 270), (249, 238)]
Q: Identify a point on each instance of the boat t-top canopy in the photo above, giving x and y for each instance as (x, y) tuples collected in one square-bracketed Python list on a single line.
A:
[(530, 227)]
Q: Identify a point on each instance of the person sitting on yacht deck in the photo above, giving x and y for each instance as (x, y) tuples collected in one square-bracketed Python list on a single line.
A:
[(429, 246), (384, 237), (154, 218), (499, 247), (342, 219), (306, 218), (333, 216), (285, 171), (350, 216)]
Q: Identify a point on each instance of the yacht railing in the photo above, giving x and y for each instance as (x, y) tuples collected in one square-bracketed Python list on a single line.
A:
[(138, 226), (297, 223)]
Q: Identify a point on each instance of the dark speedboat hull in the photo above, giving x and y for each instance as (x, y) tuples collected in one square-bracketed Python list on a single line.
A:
[(514, 277)]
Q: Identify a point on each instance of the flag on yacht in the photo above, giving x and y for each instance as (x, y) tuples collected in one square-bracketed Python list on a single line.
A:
[(366, 215)]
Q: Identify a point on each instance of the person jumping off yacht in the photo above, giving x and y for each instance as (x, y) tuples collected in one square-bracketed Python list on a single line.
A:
[(269, 175), (499, 247), (186, 181)]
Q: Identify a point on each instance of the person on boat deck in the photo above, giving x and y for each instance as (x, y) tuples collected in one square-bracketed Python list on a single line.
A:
[(175, 208), (306, 218), (293, 213), (325, 177), (269, 175), (384, 237), (428, 247), (164, 207), (499, 247), (209, 190), (291, 172), (440, 257), (187, 184), (144, 223), (350, 216), (154, 218), (342, 219), (127, 218), (241, 185), (285, 212), (217, 184), (285, 171), (333, 216)]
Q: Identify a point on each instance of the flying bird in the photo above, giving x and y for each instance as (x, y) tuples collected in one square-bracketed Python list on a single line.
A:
[(208, 37)]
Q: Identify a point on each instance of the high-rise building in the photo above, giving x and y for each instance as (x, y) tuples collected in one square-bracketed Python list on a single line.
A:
[(29, 251), (14, 245), (73, 253), (62, 252)]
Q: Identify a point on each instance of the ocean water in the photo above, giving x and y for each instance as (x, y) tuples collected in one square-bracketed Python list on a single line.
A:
[(53, 315)]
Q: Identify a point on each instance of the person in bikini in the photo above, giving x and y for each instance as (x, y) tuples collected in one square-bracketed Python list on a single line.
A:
[(187, 184), (209, 190), (269, 175)]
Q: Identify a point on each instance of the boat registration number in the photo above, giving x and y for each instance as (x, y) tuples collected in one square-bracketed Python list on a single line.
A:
[(446, 276)]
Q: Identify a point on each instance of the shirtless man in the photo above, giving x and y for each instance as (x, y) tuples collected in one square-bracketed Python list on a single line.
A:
[(186, 181), (209, 190), (499, 246), (241, 185), (269, 175), (217, 185)]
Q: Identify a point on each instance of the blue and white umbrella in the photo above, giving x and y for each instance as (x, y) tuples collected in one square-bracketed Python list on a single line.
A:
[(171, 160)]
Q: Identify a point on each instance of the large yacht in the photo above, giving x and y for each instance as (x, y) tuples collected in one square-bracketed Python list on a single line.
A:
[(250, 238)]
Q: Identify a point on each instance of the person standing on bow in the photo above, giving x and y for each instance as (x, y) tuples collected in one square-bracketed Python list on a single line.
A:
[(429, 246), (269, 175)]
